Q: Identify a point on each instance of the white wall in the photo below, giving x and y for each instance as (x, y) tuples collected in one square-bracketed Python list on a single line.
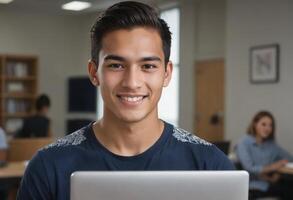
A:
[(56, 40), (188, 43), (202, 37), (211, 29), (252, 23)]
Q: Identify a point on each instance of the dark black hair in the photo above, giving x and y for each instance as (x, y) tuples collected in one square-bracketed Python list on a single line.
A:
[(128, 15), (42, 101)]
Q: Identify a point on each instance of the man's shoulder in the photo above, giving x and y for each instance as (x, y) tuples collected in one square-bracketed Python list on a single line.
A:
[(208, 156), (74, 139), (184, 136)]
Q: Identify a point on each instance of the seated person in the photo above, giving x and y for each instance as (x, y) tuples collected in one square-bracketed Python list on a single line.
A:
[(3, 153), (3, 146), (37, 125), (261, 156)]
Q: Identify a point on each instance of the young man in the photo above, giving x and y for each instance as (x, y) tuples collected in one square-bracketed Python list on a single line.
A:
[(130, 63)]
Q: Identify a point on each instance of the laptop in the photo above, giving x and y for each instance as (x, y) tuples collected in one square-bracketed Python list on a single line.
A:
[(159, 185)]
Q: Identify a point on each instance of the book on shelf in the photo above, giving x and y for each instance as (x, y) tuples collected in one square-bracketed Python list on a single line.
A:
[(17, 69), (16, 106), (12, 125), (15, 87)]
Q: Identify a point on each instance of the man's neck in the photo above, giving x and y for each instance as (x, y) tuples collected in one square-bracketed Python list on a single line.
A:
[(128, 139)]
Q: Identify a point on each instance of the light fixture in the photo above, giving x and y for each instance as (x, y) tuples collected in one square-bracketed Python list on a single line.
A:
[(6, 1), (76, 5)]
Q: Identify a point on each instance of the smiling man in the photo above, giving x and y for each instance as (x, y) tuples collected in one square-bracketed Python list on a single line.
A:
[(130, 63)]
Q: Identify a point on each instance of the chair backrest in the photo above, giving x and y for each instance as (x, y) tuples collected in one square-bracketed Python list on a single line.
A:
[(223, 146), (24, 149)]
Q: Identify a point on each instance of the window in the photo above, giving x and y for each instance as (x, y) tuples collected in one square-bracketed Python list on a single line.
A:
[(169, 103)]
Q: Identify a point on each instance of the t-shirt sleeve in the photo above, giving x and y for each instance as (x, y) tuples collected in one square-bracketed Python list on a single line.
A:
[(215, 159), (35, 184), (222, 162)]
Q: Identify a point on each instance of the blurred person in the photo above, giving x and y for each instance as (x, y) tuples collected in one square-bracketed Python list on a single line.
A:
[(3, 156), (3, 145), (37, 125), (262, 157)]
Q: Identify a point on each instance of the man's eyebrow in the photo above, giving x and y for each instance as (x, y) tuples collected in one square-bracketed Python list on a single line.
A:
[(151, 58), (114, 57), (122, 59)]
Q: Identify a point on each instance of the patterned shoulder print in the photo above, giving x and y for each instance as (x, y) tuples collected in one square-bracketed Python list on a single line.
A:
[(74, 138), (184, 136)]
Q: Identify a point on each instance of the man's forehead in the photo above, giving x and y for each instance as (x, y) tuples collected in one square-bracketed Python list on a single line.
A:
[(136, 42), (137, 34)]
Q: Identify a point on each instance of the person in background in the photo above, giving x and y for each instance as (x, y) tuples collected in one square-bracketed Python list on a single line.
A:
[(37, 125), (262, 157), (3, 155), (3, 145)]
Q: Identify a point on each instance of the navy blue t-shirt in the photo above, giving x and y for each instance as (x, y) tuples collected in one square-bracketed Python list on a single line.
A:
[(48, 173)]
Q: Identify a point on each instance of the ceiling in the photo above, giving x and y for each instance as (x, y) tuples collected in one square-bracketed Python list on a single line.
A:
[(54, 6)]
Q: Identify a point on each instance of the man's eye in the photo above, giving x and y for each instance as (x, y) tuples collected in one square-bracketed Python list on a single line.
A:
[(149, 66), (115, 66)]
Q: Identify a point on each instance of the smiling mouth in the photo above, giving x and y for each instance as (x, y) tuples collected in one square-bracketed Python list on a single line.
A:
[(132, 99)]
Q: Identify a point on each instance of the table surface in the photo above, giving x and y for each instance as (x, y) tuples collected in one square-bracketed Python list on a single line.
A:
[(286, 170), (13, 170)]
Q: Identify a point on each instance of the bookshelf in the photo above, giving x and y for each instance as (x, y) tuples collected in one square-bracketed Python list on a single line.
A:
[(18, 89)]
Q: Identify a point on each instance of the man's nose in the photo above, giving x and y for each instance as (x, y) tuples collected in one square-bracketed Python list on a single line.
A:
[(132, 78)]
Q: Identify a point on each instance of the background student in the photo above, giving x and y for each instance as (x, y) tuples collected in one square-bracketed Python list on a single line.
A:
[(37, 125), (3, 155), (3, 145), (262, 157)]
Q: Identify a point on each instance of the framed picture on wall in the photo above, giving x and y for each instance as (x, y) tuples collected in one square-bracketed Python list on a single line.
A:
[(264, 63)]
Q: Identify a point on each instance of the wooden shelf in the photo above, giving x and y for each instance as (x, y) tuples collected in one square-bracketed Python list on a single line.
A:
[(19, 57), (15, 78), (18, 95), (16, 115), (18, 88)]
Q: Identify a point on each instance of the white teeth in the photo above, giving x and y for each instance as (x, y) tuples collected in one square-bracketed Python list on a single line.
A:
[(132, 99)]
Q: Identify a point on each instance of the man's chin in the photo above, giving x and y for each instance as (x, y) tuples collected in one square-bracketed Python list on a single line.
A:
[(134, 118)]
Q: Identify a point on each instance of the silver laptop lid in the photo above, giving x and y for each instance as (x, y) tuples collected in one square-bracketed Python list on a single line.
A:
[(160, 185)]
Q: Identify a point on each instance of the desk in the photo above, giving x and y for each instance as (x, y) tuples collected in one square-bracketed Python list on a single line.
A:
[(286, 170), (12, 170), (286, 174), (10, 177)]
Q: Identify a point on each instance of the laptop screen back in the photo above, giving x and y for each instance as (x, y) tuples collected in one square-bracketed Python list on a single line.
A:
[(163, 185)]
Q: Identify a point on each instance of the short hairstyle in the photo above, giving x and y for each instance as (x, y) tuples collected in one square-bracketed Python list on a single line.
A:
[(258, 116), (128, 15), (42, 101)]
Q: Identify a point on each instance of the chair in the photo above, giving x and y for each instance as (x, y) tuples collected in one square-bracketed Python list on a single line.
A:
[(24, 149), (257, 195), (223, 146)]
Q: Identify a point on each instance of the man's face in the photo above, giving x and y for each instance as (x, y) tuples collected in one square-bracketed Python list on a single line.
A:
[(131, 74)]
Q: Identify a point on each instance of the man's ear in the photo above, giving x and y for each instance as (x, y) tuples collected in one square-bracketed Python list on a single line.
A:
[(92, 70), (168, 73)]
